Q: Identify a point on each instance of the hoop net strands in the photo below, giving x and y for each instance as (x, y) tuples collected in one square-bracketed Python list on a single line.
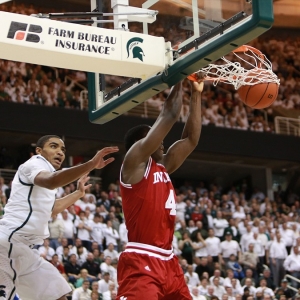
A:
[(251, 68)]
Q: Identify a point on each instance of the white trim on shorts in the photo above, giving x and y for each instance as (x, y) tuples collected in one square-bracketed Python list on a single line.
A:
[(150, 250)]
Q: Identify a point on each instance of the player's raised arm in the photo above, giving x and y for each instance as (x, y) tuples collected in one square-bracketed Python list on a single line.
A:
[(152, 138), (63, 177), (63, 203), (181, 149)]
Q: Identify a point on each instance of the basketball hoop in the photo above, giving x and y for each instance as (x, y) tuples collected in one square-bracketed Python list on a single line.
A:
[(251, 68)]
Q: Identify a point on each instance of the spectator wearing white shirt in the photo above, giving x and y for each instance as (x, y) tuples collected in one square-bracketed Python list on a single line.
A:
[(264, 289), (263, 206), (200, 246), (268, 247), (84, 203), (195, 294), (89, 216), (242, 225), (111, 235), (191, 226), (218, 289), (296, 243), (259, 248), (103, 283), (175, 246), (249, 285), (213, 245), (110, 251), (219, 224), (228, 279), (278, 254), (246, 237), (78, 244), (239, 213), (83, 230), (236, 289), (69, 227), (97, 230), (229, 293), (180, 207), (264, 241), (193, 276), (217, 273), (123, 233), (83, 292), (228, 247), (186, 279), (106, 266), (292, 265), (287, 235), (46, 251), (60, 249), (111, 294), (203, 286), (294, 227), (56, 230), (210, 293)]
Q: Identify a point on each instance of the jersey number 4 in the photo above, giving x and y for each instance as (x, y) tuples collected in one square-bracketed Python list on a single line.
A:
[(171, 203)]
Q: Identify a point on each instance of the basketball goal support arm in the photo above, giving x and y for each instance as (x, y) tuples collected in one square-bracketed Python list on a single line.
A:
[(261, 20)]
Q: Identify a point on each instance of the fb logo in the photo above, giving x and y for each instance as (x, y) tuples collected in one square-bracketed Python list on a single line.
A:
[(21, 31)]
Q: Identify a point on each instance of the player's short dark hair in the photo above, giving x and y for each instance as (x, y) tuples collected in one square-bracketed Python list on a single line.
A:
[(44, 139), (135, 134)]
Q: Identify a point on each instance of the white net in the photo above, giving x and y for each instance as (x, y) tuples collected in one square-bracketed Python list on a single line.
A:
[(248, 67)]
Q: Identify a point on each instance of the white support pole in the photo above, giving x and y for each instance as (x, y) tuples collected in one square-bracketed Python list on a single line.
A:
[(269, 184), (123, 13), (120, 21)]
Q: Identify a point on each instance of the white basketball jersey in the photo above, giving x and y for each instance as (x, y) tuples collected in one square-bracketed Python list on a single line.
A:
[(29, 206)]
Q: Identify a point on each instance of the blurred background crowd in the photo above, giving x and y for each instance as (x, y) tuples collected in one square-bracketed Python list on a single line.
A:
[(39, 85), (231, 244)]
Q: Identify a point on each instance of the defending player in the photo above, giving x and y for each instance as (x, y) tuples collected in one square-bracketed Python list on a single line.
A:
[(25, 222), (147, 268)]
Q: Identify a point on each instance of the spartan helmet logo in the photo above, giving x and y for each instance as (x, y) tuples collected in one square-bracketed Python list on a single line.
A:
[(133, 47), (2, 292)]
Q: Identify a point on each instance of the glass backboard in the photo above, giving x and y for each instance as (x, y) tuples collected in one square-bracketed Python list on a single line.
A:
[(198, 31)]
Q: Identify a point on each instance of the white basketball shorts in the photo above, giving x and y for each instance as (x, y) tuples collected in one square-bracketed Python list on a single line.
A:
[(24, 272)]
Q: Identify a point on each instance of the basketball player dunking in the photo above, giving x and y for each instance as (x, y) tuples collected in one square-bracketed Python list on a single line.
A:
[(25, 222), (147, 268)]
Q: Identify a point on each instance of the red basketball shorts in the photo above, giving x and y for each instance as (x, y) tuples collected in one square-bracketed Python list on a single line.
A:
[(148, 272)]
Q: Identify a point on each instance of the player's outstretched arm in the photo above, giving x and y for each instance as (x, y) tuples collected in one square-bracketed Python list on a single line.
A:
[(63, 203), (144, 148), (60, 178), (180, 150)]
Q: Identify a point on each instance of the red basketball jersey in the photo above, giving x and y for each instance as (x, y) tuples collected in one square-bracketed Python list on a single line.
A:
[(150, 207)]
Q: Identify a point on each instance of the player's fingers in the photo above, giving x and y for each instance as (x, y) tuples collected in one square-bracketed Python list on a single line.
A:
[(109, 160), (87, 186), (108, 150)]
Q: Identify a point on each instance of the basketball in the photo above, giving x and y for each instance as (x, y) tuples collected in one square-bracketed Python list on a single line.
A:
[(260, 95)]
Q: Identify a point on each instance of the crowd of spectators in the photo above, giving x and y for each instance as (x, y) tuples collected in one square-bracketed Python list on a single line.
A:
[(39, 85), (234, 244)]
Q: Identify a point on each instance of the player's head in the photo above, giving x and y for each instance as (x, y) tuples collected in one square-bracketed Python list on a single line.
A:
[(42, 141), (52, 148), (135, 134)]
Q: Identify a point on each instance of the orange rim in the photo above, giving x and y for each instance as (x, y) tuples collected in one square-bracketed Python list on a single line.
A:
[(243, 48)]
